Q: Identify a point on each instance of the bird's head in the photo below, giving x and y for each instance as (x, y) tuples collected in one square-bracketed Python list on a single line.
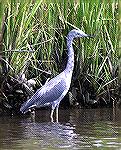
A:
[(75, 33)]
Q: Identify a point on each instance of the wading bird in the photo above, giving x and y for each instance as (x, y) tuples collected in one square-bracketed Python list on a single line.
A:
[(54, 90)]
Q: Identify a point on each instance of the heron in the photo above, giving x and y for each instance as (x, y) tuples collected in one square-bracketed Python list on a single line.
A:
[(56, 88)]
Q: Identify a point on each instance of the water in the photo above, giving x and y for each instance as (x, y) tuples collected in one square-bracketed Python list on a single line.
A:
[(84, 129)]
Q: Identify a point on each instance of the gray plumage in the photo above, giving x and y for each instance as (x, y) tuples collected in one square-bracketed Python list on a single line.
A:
[(54, 90)]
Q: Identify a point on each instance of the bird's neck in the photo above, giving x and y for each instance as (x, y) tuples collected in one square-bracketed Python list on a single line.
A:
[(70, 62)]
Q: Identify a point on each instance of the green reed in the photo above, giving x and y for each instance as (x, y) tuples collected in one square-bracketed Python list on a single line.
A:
[(35, 35)]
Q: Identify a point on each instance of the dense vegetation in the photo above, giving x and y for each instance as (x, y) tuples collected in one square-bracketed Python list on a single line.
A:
[(33, 46)]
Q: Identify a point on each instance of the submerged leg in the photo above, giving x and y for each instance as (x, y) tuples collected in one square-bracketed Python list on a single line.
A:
[(32, 114)]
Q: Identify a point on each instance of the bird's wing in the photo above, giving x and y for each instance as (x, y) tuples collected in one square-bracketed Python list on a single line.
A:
[(51, 93), (48, 93)]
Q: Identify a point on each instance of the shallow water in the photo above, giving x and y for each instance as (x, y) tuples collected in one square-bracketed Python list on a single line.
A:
[(77, 129)]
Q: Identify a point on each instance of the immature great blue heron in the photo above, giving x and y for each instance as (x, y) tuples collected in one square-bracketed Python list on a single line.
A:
[(54, 90)]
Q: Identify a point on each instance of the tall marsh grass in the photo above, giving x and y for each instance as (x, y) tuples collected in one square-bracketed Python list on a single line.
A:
[(34, 42)]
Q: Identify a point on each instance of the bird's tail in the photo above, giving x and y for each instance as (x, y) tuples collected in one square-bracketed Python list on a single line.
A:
[(26, 106)]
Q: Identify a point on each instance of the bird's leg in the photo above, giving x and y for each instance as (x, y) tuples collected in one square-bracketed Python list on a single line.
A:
[(57, 114), (51, 115)]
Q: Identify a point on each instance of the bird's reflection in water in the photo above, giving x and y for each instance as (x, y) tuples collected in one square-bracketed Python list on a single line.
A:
[(50, 134)]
